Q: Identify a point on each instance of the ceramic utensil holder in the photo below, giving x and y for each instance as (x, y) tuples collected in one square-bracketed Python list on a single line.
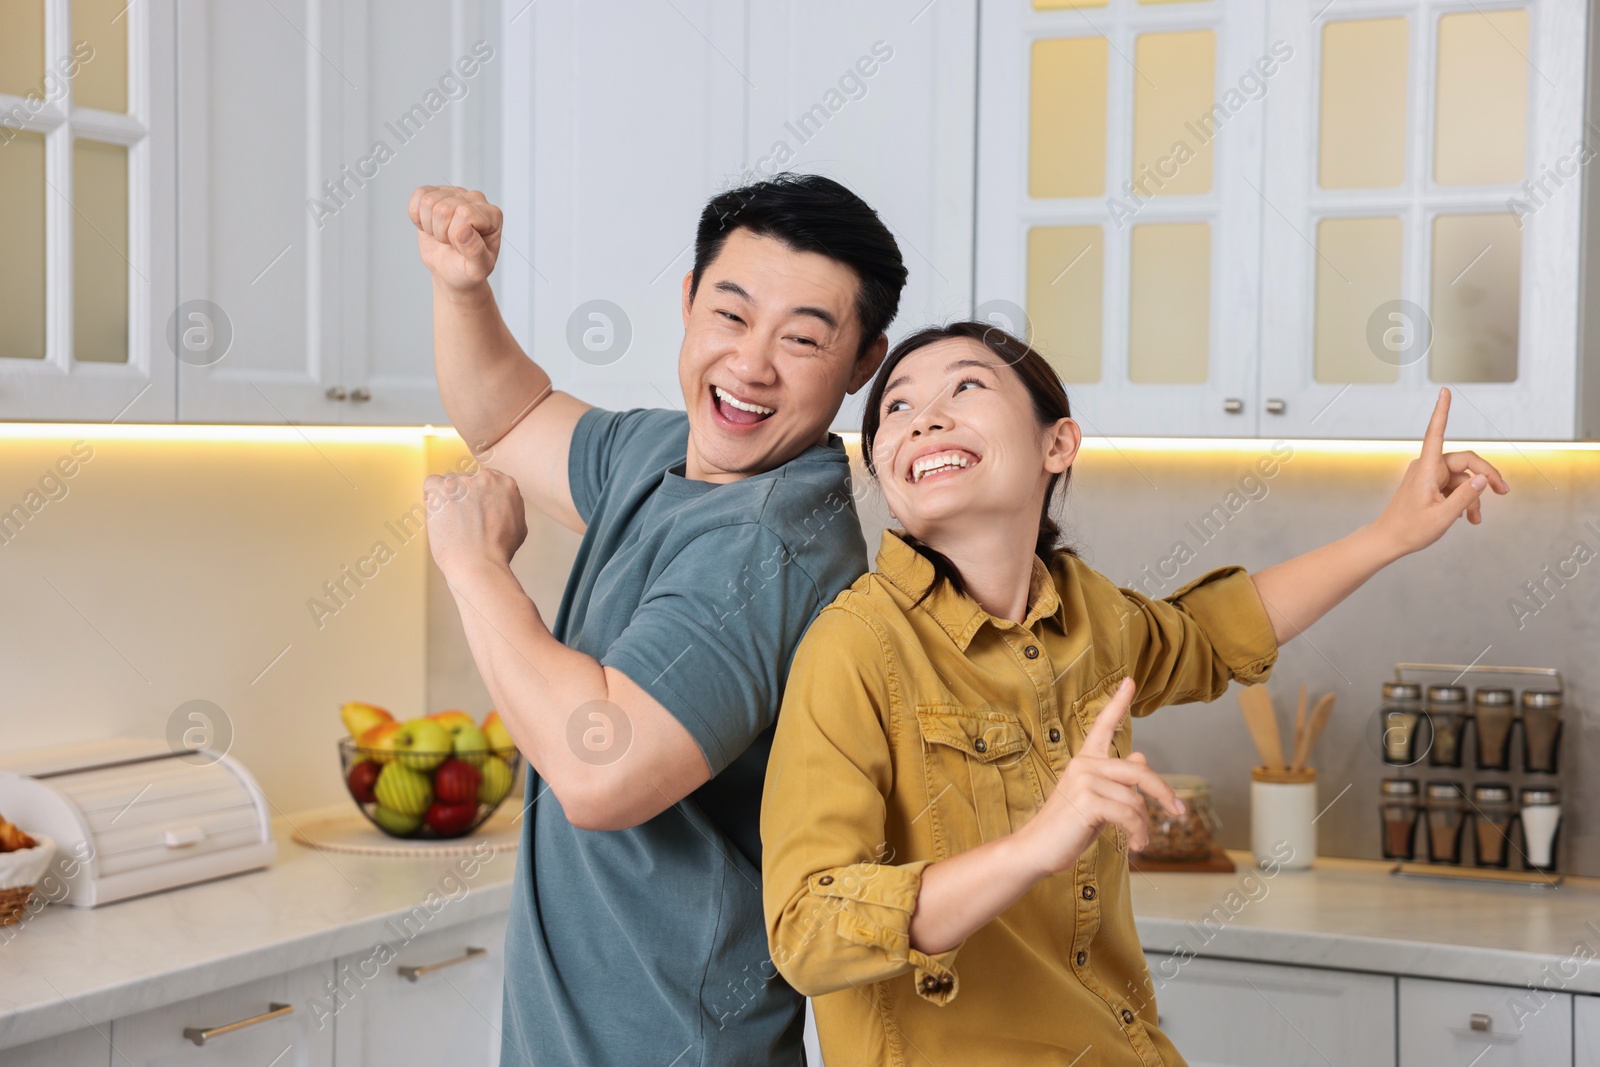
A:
[(1283, 812)]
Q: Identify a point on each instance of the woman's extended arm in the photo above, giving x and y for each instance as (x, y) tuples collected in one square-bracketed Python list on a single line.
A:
[(1437, 489)]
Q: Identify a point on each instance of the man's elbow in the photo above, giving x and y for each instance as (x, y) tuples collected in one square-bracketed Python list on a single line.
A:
[(602, 806)]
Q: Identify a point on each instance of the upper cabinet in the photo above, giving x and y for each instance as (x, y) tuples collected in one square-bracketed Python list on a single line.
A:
[(1292, 219), (87, 252), (303, 130), (621, 121)]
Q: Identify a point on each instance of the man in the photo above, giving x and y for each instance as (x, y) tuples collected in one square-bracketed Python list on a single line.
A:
[(711, 538)]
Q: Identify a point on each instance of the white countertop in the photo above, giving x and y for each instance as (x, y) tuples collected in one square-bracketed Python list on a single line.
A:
[(69, 967)]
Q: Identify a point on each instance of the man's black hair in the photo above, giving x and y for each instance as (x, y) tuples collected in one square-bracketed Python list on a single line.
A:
[(810, 213)]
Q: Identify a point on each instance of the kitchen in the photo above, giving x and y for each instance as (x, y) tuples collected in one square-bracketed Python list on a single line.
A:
[(1204, 256)]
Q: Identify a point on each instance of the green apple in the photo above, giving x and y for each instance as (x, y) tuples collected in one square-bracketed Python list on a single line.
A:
[(395, 822), (472, 745), (497, 775), (403, 790), (422, 744)]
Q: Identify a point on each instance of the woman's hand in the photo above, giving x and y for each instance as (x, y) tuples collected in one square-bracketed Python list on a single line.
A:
[(477, 516), (1437, 488), (1098, 790)]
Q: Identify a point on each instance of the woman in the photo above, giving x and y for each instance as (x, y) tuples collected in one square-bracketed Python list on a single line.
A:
[(952, 791)]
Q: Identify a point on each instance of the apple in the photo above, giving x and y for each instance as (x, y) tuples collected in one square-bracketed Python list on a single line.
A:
[(456, 782), (379, 741), (359, 718), (452, 720), (363, 776), (499, 737), (451, 820), (403, 790), (396, 823), (472, 745), (497, 776), (423, 744)]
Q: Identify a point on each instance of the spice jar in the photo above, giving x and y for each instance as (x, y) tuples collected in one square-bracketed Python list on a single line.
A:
[(1401, 712), (1181, 837), (1491, 818), (1447, 722), (1541, 729), (1541, 821), (1399, 809), (1446, 818), (1491, 723)]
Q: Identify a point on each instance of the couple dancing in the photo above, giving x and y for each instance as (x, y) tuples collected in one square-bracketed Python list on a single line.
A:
[(907, 792)]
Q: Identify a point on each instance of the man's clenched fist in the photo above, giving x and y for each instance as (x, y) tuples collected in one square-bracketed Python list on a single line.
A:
[(458, 234)]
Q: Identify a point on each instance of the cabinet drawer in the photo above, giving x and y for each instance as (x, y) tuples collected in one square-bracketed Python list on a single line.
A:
[(81, 1048), (287, 1039), (448, 1016), (1223, 1013), (1485, 1025), (1585, 1031)]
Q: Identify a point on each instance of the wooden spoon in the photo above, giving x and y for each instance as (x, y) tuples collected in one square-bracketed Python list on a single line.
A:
[(1314, 725), (1256, 703)]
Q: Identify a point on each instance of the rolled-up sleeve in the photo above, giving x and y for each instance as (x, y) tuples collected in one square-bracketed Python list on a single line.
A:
[(1190, 645), (838, 906)]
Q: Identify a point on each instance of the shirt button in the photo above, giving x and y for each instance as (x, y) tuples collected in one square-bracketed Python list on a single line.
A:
[(1032, 652), (1088, 892), (930, 984), (826, 879), (981, 745), (1127, 1016), (945, 984), (1055, 735), (1083, 957)]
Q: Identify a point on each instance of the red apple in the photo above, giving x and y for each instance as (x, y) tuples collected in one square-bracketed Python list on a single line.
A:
[(363, 776), (450, 820), (456, 782)]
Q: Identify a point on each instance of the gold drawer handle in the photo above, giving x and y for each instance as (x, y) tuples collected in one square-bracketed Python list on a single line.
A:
[(412, 974), (200, 1037), (1481, 1022)]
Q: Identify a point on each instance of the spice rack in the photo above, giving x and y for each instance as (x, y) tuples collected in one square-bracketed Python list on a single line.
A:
[(1463, 797)]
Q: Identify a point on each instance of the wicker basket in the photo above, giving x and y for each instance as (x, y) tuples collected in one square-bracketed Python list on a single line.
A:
[(19, 872)]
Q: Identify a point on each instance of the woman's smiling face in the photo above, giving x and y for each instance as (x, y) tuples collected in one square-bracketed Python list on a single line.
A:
[(959, 442)]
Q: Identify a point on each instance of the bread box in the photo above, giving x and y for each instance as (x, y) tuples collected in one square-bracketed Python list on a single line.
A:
[(136, 816)]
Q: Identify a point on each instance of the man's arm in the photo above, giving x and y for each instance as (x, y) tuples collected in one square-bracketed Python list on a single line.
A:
[(612, 754), (500, 401), (1437, 489)]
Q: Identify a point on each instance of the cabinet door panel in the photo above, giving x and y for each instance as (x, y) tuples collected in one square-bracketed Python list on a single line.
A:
[(297, 1038), (81, 1048), (1222, 1013), (448, 1017), (1586, 1031), (1486, 1025)]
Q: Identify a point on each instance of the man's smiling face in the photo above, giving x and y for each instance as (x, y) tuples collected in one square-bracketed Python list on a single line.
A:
[(769, 352)]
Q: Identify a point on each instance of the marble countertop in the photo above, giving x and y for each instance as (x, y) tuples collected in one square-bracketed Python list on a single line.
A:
[(1355, 915), (67, 968)]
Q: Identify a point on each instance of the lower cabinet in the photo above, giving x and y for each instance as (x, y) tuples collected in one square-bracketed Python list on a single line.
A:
[(266, 1021), (81, 1048), (1223, 1013), (435, 1002), (1585, 1031), (1484, 1025)]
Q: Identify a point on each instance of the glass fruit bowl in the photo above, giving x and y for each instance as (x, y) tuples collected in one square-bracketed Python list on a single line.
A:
[(427, 795)]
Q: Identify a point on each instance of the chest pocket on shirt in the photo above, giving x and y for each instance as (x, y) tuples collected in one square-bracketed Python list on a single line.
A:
[(980, 775)]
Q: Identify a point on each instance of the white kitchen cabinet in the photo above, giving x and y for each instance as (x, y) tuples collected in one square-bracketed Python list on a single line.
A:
[(1586, 1031), (1223, 1013), (89, 1047), (86, 161), (304, 130), (448, 1015), (1485, 1025), (271, 1020)]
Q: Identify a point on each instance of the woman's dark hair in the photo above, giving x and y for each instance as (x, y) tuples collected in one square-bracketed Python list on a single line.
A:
[(810, 213), (1050, 405)]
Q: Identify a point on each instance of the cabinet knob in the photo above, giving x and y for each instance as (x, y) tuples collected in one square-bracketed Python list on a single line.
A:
[(360, 395), (1233, 405), (1481, 1022), (1276, 406), (336, 392)]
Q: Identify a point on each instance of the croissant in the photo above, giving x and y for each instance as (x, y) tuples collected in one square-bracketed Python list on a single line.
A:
[(12, 838)]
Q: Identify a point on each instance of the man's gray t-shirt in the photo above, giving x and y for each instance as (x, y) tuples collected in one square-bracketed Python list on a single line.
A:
[(647, 946)]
